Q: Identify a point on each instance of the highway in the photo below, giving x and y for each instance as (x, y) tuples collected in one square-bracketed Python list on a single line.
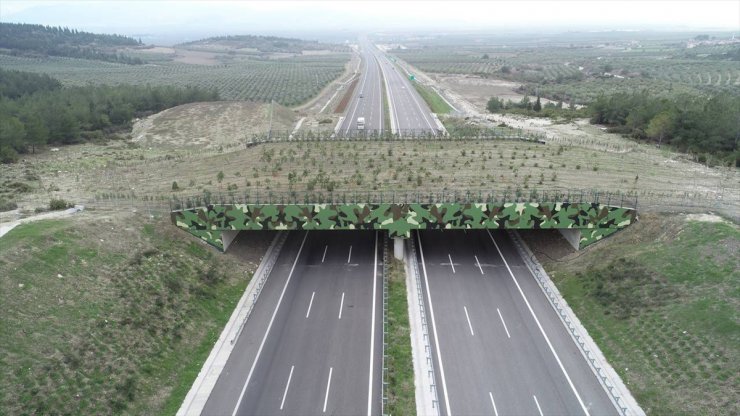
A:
[(313, 344), (408, 112), (367, 98), (499, 347)]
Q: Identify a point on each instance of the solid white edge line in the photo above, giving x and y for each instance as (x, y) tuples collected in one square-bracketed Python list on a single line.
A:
[(469, 324), (434, 329), (542, 330), (328, 386), (504, 323), (356, 99), (539, 409), (324, 256), (495, 411), (308, 311), (478, 263), (372, 332), (341, 306), (269, 326), (287, 385), (451, 264), (349, 257)]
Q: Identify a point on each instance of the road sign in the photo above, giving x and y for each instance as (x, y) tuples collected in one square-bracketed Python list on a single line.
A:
[(412, 77)]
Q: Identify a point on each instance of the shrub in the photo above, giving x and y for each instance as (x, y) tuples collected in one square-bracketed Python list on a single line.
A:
[(174, 186), (58, 204)]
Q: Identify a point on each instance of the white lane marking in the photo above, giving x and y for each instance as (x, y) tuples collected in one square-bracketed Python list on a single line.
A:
[(341, 306), (328, 386), (308, 311), (372, 332), (502, 321), (495, 412), (287, 385), (539, 409), (356, 99), (469, 324), (350, 254), (478, 263), (451, 264), (434, 329), (324, 256), (542, 330), (269, 326)]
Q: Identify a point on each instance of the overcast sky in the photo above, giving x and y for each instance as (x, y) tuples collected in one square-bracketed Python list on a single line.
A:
[(258, 17)]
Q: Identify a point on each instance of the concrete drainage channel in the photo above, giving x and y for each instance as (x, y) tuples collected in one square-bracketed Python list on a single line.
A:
[(201, 389)]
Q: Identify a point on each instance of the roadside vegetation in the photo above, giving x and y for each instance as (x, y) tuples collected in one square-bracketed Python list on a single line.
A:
[(108, 314), (400, 391), (433, 100), (661, 300)]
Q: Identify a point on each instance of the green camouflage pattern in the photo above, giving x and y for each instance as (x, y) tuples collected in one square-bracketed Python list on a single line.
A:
[(595, 220)]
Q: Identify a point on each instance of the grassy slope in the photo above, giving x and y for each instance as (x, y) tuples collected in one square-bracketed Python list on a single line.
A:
[(661, 300), (433, 100), (400, 389), (126, 326)]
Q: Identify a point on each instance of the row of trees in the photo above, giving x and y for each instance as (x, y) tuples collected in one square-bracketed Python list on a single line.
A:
[(33, 117), (693, 124), (29, 39), (534, 108)]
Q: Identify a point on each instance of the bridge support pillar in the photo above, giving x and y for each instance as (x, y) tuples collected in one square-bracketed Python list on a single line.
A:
[(398, 247), (227, 237), (572, 236)]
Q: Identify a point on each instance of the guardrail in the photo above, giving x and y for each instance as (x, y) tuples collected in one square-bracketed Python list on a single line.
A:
[(262, 278), (424, 326), (626, 405), (620, 199)]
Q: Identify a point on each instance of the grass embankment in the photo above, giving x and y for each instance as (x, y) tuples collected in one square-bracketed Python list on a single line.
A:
[(108, 315), (661, 299), (400, 390), (433, 100)]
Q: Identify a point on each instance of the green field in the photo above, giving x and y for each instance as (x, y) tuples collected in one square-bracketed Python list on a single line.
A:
[(108, 314), (288, 81), (661, 301)]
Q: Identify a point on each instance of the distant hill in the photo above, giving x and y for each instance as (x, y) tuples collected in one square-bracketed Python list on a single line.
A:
[(261, 44), (28, 39)]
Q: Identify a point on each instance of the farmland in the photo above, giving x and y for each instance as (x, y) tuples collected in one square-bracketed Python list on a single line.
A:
[(563, 68), (288, 81)]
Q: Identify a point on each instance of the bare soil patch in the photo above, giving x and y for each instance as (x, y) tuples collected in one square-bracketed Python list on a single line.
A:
[(187, 56), (209, 125), (347, 97)]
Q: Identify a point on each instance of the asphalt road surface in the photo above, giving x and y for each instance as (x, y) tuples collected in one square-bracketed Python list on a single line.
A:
[(367, 98), (313, 344), (409, 113), (499, 347)]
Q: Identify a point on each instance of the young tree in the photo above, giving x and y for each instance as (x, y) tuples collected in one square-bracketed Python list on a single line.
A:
[(537, 104), (660, 126), (494, 104)]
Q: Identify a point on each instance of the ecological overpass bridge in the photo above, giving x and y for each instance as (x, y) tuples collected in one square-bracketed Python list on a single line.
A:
[(581, 218)]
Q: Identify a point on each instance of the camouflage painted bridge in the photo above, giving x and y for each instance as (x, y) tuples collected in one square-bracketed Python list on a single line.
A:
[(581, 223)]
